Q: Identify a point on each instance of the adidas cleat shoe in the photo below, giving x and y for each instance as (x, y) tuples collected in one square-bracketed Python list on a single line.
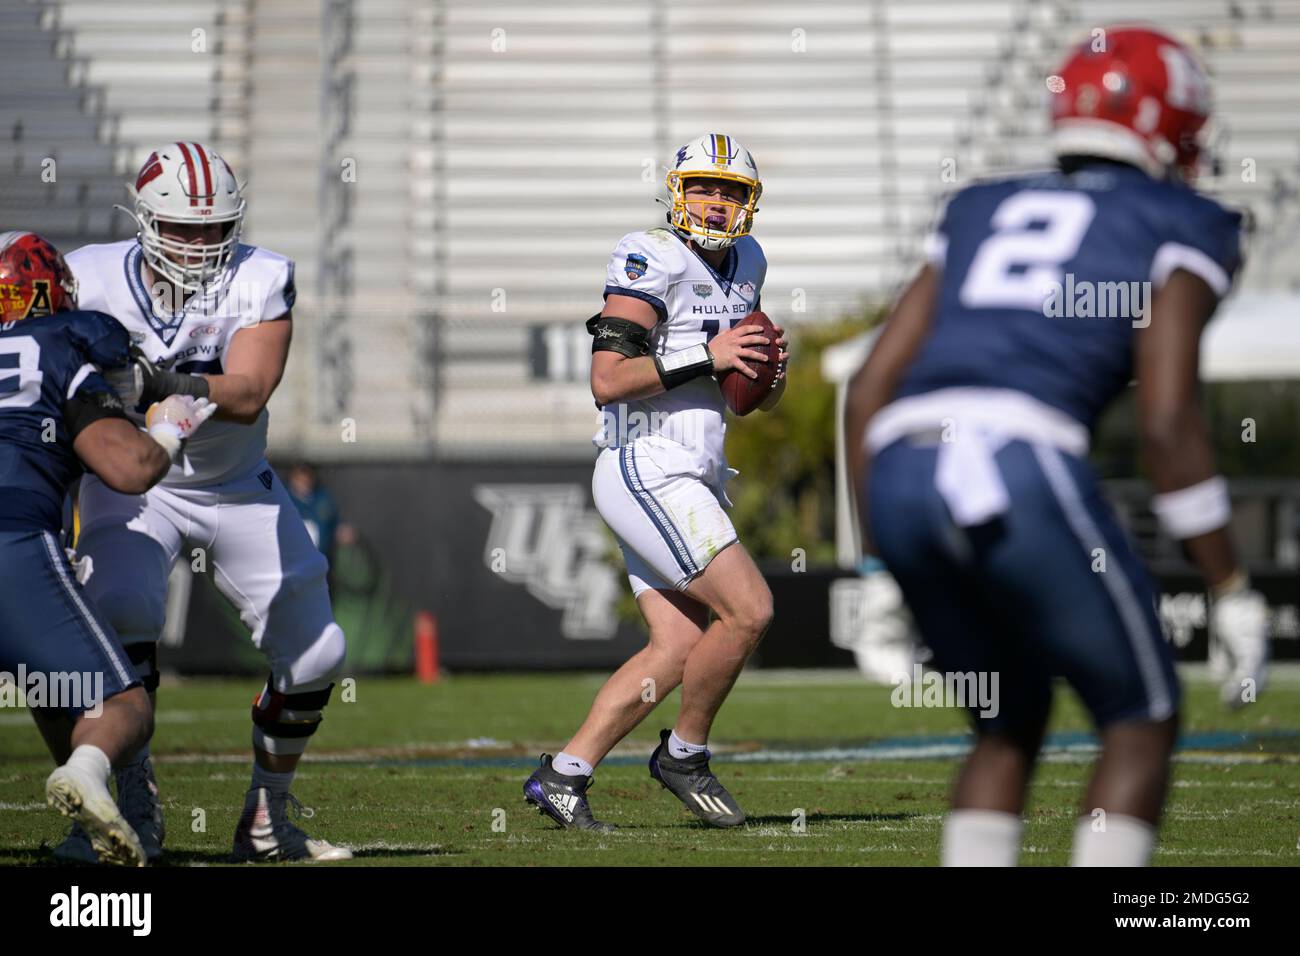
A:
[(562, 798), (265, 832), (76, 794), (692, 782)]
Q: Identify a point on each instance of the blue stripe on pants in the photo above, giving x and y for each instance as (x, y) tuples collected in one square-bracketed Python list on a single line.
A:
[(655, 512)]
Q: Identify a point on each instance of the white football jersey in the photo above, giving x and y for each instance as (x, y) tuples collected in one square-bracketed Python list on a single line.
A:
[(258, 288), (694, 302)]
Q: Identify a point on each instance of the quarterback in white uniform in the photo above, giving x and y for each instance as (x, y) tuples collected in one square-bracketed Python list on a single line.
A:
[(210, 316), (676, 299)]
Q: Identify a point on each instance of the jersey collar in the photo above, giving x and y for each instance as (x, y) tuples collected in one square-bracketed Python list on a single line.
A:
[(728, 265), (165, 330)]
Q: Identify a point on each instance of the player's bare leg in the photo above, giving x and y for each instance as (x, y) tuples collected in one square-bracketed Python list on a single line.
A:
[(742, 604), (1128, 785), (558, 787), (676, 623), (56, 729), (733, 587), (79, 787), (988, 799)]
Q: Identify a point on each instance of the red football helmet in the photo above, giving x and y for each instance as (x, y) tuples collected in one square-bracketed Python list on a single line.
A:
[(34, 279), (1131, 94)]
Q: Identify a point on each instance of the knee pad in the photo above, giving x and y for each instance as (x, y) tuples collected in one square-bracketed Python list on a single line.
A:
[(144, 658), (284, 722)]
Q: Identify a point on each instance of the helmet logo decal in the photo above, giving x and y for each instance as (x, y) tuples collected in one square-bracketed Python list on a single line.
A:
[(41, 304), (152, 170)]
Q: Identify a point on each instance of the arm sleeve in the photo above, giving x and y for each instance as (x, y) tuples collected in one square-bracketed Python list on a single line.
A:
[(99, 339), (1205, 239), (935, 245), (641, 268), (280, 298)]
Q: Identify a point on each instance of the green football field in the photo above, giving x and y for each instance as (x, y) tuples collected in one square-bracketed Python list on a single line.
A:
[(827, 769)]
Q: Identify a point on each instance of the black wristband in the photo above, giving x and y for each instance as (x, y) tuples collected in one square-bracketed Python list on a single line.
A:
[(158, 384), (89, 406), (677, 368)]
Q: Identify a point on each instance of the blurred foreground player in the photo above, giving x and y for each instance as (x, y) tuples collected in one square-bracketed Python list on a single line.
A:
[(978, 403), (211, 316), (675, 306), (59, 415)]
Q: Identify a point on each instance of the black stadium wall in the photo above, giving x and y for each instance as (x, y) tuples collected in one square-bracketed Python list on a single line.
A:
[(520, 572)]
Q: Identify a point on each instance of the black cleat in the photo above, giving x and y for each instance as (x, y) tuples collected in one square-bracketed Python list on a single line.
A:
[(693, 783), (562, 798)]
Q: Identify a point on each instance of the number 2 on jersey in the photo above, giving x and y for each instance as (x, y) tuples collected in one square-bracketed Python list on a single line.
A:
[(1037, 254)]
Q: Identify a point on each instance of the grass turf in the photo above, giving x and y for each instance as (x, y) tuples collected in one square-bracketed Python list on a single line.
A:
[(431, 775)]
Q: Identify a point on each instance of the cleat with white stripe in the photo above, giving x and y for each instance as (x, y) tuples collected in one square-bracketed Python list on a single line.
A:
[(692, 782), (563, 798), (78, 795), (265, 834)]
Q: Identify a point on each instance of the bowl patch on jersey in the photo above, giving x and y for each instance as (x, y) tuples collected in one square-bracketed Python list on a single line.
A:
[(636, 265)]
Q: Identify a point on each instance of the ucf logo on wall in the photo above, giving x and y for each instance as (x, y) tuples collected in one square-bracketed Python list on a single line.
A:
[(545, 538)]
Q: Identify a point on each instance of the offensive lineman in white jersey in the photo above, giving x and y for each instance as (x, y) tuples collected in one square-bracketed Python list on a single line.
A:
[(675, 306), (210, 317)]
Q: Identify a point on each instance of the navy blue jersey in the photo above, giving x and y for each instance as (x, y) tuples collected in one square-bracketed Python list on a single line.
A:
[(44, 362), (1046, 277)]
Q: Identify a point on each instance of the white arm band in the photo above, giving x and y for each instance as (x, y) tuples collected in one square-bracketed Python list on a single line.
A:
[(1194, 510)]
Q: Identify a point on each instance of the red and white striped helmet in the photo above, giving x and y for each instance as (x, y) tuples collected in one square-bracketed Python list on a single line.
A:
[(188, 183)]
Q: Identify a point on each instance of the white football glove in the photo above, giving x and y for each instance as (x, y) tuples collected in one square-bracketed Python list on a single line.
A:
[(175, 419), (1239, 620)]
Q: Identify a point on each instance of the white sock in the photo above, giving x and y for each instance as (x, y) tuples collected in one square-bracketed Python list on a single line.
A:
[(92, 760), (275, 782), (681, 749), (571, 766), (1126, 841), (981, 838)]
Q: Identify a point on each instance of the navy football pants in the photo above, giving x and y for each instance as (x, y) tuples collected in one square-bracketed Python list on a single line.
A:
[(1019, 594), (47, 623)]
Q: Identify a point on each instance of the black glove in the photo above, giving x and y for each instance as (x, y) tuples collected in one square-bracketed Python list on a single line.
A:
[(156, 383)]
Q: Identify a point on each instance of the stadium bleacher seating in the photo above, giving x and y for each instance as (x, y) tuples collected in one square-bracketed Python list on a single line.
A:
[(499, 150)]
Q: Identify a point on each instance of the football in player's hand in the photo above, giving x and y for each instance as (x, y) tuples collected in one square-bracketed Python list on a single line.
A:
[(742, 393)]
